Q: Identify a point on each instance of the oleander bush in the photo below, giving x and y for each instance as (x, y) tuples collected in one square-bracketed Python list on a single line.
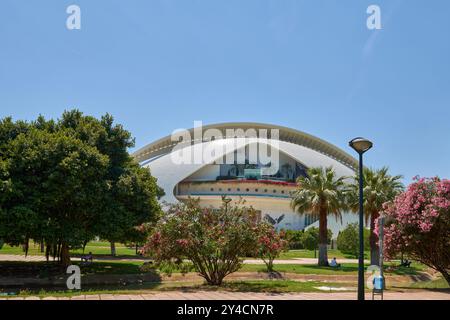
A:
[(270, 244), (210, 240), (418, 224)]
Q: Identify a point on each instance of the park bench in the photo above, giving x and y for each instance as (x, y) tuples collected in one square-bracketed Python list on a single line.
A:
[(87, 259), (405, 263)]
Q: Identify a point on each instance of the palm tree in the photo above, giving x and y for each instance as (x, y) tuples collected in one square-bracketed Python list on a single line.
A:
[(379, 187), (320, 193)]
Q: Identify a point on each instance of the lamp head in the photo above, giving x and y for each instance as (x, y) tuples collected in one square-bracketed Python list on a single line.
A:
[(226, 199), (360, 145)]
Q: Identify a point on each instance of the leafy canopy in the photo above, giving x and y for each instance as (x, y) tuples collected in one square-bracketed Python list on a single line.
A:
[(64, 182), (320, 191), (379, 187)]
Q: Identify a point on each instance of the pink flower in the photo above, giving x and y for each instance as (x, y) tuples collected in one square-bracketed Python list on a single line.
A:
[(415, 212), (182, 242)]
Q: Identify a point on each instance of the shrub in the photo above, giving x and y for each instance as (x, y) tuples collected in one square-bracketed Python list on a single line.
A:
[(418, 224), (270, 244), (310, 238), (348, 240), (147, 267), (212, 240), (295, 239)]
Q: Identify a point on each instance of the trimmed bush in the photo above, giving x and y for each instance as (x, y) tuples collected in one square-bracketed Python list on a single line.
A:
[(348, 240)]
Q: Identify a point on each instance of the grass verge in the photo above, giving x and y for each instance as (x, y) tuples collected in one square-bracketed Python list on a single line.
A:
[(268, 286)]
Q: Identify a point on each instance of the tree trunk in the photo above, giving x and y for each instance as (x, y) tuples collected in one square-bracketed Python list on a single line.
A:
[(446, 276), (113, 248), (323, 238), (270, 265), (214, 279), (374, 248), (65, 256), (26, 246), (47, 252), (42, 246), (54, 252)]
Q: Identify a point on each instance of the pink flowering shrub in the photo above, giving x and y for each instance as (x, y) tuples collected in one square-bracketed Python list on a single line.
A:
[(270, 244), (211, 241), (418, 224)]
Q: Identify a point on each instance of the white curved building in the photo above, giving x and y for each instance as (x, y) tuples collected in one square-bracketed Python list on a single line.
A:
[(215, 160)]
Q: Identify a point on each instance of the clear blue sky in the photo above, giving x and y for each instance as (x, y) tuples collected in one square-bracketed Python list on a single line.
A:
[(313, 65)]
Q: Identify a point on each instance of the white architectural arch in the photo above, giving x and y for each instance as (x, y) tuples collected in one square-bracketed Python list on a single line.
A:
[(203, 180)]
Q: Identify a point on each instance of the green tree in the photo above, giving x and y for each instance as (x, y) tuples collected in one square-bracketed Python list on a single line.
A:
[(9, 130), (65, 182), (379, 188), (131, 198), (310, 238), (136, 198), (320, 193), (348, 240), (294, 238), (4, 186), (56, 187)]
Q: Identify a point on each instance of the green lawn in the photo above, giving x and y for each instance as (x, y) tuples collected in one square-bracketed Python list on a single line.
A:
[(97, 248), (103, 244), (118, 289), (45, 270), (127, 267), (272, 286), (32, 250), (279, 286), (102, 248), (42, 269), (438, 284), (346, 268), (292, 254), (303, 269), (392, 267)]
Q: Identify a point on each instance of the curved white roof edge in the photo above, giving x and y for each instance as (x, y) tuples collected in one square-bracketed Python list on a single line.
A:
[(169, 175), (165, 145)]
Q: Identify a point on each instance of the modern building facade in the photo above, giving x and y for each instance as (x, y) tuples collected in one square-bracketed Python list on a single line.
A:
[(228, 167)]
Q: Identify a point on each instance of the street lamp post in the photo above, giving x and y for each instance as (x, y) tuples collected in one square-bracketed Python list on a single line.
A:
[(226, 200), (380, 245), (361, 145)]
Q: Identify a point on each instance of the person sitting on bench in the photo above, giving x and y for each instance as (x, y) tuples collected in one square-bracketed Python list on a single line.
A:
[(87, 258), (405, 263), (334, 263)]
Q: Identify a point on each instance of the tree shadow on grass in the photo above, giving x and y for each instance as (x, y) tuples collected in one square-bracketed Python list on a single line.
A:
[(34, 277)]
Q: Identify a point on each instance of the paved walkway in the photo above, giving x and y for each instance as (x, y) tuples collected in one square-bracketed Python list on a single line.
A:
[(222, 295), (12, 257)]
